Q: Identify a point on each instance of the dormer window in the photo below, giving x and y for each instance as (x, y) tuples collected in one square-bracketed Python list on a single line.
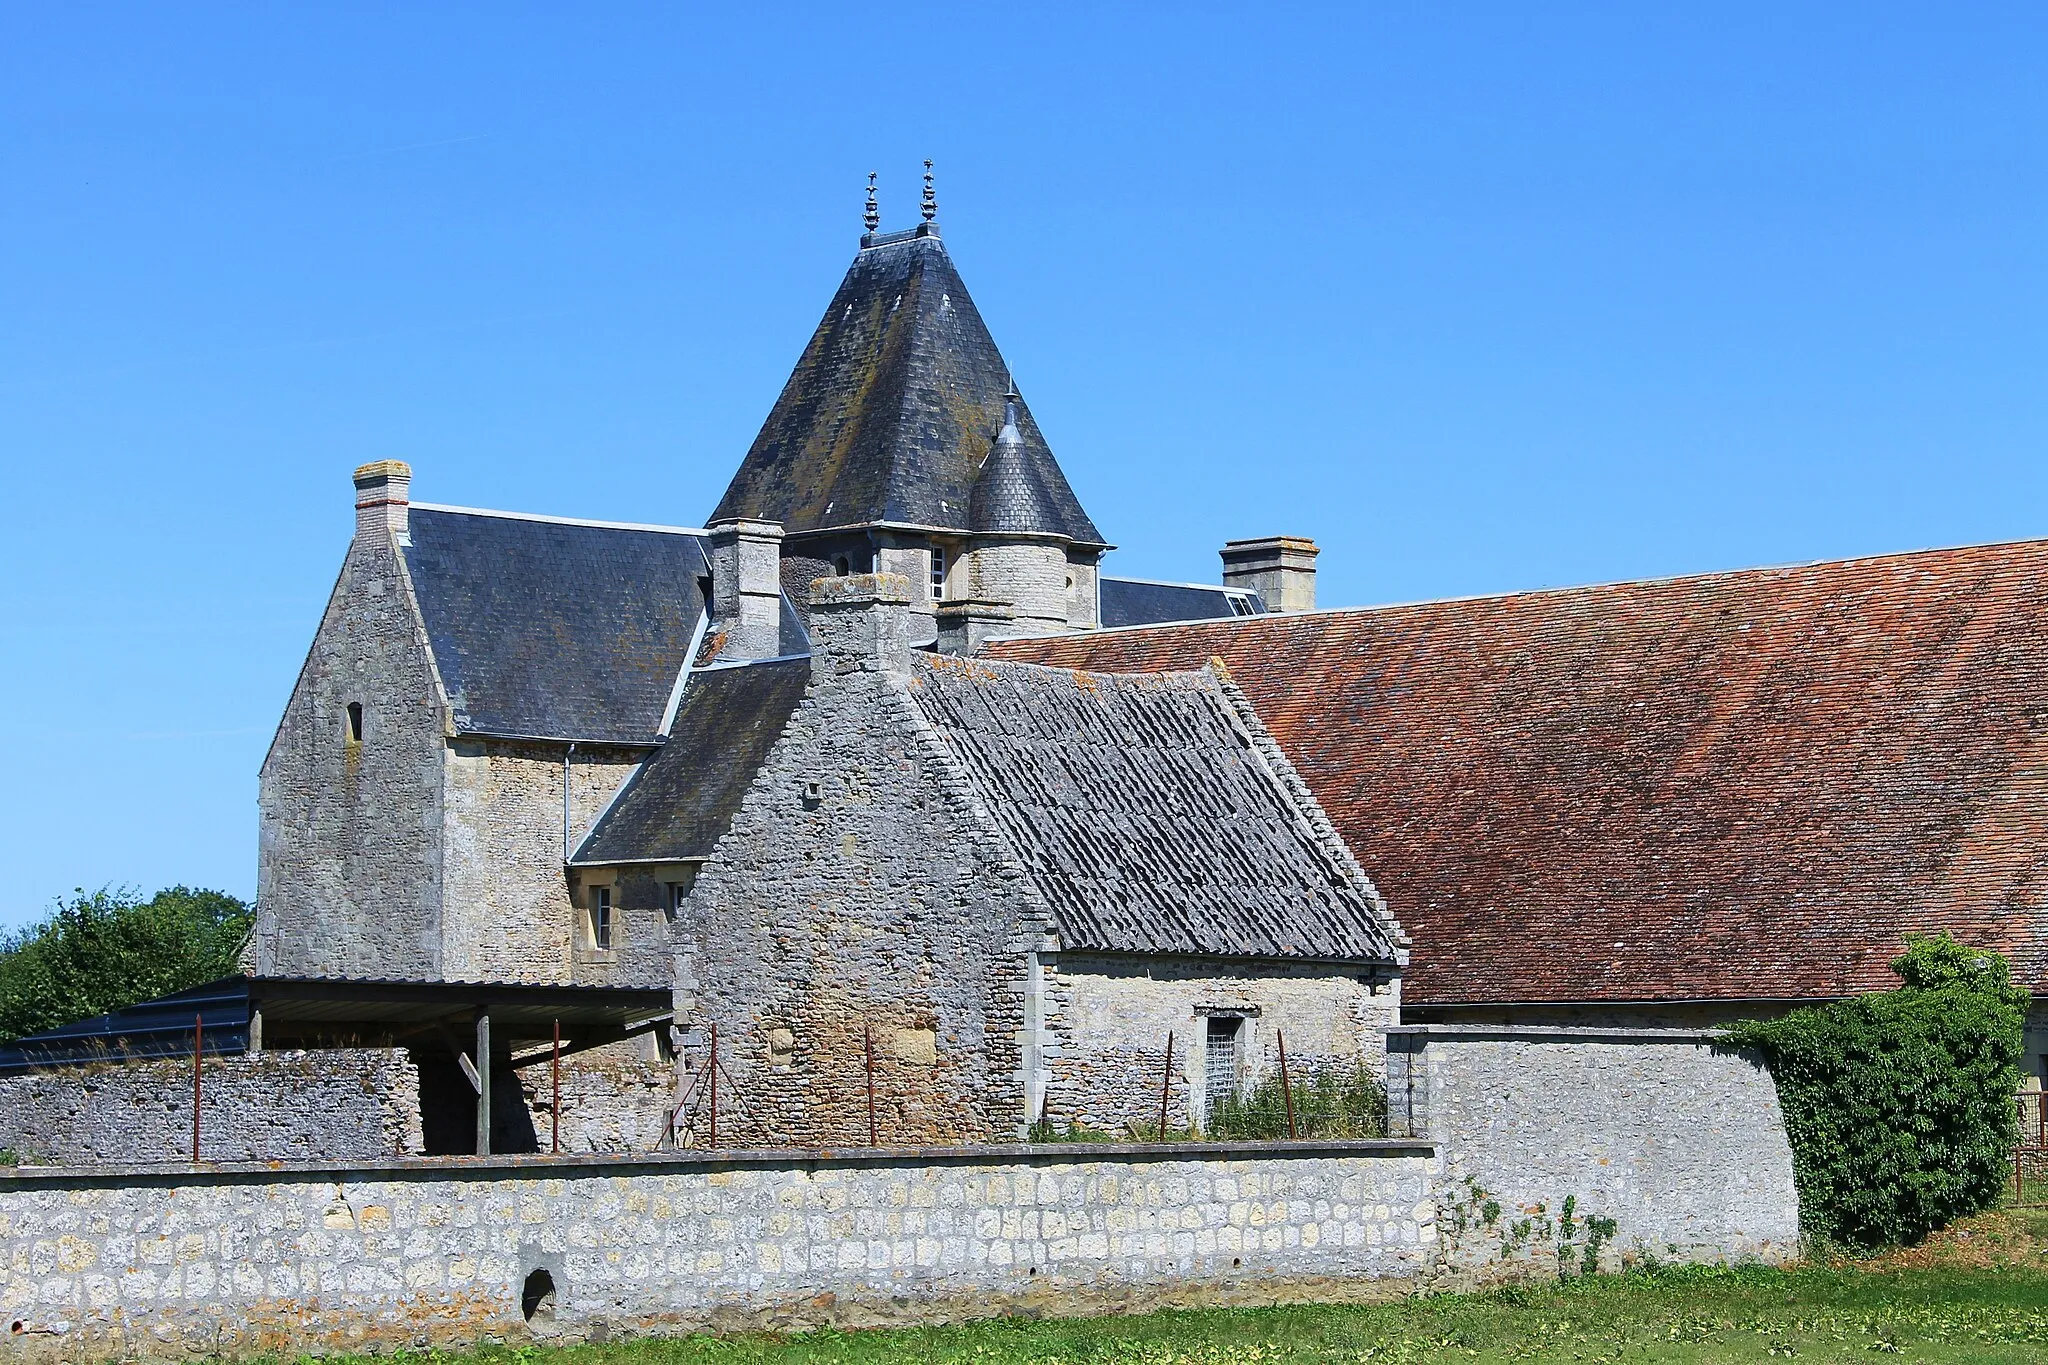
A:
[(938, 575), (355, 722)]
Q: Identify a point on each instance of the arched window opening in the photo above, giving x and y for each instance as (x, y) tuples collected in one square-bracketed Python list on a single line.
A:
[(842, 566)]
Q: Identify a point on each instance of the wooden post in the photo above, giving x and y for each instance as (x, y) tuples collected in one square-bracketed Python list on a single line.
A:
[(555, 1066), (868, 1045), (198, 1068), (713, 1064), (483, 1082), (1286, 1085), (1165, 1085)]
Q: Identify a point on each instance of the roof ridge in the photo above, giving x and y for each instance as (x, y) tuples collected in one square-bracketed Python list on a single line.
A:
[(1373, 608), (560, 521)]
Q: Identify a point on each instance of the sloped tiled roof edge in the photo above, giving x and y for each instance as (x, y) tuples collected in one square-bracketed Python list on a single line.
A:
[(1146, 815), (1741, 785)]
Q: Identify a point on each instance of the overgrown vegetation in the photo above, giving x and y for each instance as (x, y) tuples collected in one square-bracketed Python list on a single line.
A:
[(1332, 1102), (1979, 1294), (1899, 1104), (101, 950)]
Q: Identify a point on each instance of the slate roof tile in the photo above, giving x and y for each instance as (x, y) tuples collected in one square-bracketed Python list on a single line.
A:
[(1146, 813), (555, 629), (891, 409)]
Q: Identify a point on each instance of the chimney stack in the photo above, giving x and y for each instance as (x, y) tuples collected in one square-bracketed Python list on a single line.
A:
[(964, 624), (1280, 569), (746, 587), (860, 623), (383, 497)]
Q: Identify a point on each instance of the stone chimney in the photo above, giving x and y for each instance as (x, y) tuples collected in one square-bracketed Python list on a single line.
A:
[(1280, 569), (964, 624), (746, 587), (383, 497), (861, 623)]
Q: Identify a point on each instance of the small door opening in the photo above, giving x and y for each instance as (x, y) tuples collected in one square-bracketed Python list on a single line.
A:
[(355, 722)]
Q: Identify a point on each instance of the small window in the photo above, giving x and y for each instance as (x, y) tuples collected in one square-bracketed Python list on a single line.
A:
[(1219, 1071), (355, 722), (1242, 606), (600, 917), (938, 575), (678, 892), (842, 566)]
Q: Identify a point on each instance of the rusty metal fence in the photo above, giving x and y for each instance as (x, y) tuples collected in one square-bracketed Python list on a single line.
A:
[(2030, 1155)]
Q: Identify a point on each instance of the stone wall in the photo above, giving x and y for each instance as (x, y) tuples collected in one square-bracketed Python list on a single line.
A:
[(855, 896), (614, 1099), (510, 916), (360, 1104), (1677, 1138), (418, 1253), (1107, 1018), (348, 877)]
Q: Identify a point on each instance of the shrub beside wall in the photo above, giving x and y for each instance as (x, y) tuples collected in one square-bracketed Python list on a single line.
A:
[(1899, 1105)]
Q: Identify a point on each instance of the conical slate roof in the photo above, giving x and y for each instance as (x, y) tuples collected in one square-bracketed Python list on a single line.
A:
[(889, 413), (1010, 496)]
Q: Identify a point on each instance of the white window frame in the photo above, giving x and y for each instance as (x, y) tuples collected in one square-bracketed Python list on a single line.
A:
[(600, 918)]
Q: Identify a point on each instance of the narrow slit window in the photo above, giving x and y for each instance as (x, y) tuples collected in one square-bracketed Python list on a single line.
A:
[(355, 722), (938, 575), (600, 917), (1220, 1064)]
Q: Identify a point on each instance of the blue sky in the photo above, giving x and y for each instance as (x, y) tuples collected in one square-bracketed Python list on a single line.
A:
[(1483, 297)]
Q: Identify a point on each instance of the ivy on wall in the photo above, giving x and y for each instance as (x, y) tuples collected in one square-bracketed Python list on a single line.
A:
[(1899, 1104)]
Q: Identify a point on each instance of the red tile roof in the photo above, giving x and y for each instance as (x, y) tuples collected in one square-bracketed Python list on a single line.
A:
[(1739, 785)]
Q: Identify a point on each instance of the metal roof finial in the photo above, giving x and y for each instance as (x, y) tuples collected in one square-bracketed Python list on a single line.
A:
[(931, 200), (873, 216)]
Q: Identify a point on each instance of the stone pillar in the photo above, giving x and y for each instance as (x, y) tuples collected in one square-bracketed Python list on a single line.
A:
[(383, 498), (860, 623), (1280, 569), (963, 626), (746, 587)]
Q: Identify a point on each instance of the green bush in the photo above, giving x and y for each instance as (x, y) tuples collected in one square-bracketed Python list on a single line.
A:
[(1899, 1105), (100, 951), (1331, 1102)]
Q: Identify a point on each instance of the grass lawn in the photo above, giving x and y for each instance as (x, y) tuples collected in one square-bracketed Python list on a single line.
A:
[(1978, 1292)]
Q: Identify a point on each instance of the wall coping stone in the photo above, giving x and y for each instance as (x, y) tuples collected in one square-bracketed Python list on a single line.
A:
[(474, 1167), (1577, 1033)]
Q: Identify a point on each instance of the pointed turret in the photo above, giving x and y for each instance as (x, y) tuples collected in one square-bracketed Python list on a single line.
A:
[(884, 424), (1009, 495)]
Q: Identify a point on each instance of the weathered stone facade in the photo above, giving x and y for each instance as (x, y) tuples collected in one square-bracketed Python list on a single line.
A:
[(1107, 1016), (854, 898), (416, 1253), (338, 1103), (350, 856)]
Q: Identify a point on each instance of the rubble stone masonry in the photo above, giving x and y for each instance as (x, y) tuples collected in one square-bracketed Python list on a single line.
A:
[(418, 1253)]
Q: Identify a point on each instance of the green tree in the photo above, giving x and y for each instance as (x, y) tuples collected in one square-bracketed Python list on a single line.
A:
[(1899, 1104), (102, 950)]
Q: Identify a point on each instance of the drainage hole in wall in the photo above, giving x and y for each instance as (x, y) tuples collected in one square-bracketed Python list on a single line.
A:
[(537, 1300), (1034, 1270), (18, 1326), (1237, 1263)]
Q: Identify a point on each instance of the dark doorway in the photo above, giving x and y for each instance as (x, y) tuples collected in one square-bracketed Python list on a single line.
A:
[(447, 1103)]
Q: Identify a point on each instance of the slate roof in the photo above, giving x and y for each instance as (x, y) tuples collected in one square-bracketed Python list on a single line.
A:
[(1146, 814), (1010, 493), (1735, 786), (683, 797), (555, 629), (892, 407), (1141, 602)]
